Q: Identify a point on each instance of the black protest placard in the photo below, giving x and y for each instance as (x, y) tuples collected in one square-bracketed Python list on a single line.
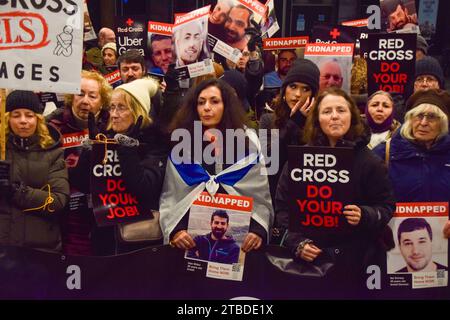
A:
[(320, 187), (391, 62), (131, 33), (361, 27), (112, 202)]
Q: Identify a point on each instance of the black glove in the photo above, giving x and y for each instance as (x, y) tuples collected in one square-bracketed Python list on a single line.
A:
[(171, 78), (92, 126), (255, 36)]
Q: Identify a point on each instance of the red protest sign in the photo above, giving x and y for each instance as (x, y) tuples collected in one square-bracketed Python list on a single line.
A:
[(284, 43), (112, 202)]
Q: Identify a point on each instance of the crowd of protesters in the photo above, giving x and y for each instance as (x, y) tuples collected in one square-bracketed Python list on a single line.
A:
[(397, 158)]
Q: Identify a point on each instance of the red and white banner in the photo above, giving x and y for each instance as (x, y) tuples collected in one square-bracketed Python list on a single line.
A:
[(180, 19), (414, 209), (285, 43), (356, 23), (255, 6), (329, 49), (160, 28), (113, 77)]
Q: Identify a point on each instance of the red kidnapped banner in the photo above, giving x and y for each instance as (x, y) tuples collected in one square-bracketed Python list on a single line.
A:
[(160, 28), (356, 23), (419, 209), (255, 6), (71, 140), (180, 19), (284, 43), (113, 77)]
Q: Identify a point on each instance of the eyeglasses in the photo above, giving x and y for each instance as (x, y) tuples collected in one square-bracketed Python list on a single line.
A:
[(118, 109), (431, 117), (427, 79), (245, 53)]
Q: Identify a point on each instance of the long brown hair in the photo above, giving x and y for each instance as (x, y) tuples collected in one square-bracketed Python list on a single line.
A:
[(233, 113), (313, 132), (281, 111)]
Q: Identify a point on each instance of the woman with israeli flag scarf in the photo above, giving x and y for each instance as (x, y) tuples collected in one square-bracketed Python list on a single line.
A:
[(212, 162)]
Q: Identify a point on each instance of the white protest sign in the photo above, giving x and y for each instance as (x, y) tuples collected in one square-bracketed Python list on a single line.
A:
[(41, 45)]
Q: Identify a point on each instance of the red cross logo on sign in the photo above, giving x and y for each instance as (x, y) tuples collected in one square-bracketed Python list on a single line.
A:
[(129, 22), (335, 33)]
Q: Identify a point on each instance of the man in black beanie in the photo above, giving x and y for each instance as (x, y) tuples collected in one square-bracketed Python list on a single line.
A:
[(429, 75)]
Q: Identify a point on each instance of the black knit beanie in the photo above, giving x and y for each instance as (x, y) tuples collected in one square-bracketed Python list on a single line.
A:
[(430, 66), (23, 99), (304, 71)]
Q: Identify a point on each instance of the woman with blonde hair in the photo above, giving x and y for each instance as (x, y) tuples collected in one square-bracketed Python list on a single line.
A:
[(142, 152), (35, 188), (417, 156)]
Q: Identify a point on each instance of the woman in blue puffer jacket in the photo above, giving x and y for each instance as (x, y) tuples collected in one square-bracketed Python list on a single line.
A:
[(419, 153)]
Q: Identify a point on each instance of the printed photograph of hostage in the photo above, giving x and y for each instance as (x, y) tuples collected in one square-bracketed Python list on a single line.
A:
[(160, 47), (189, 41), (415, 241), (217, 245), (217, 18), (399, 15), (237, 21)]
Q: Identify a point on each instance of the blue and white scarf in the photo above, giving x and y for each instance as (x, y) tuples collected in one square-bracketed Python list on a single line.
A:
[(183, 183)]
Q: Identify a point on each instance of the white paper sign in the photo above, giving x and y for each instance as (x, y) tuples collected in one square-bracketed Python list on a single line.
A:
[(41, 45)]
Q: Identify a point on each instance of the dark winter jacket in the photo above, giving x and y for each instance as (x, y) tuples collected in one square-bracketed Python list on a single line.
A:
[(287, 135), (417, 173), (77, 220), (38, 171), (372, 193), (223, 250)]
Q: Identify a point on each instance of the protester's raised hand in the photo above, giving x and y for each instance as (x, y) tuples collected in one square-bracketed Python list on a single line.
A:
[(304, 108), (255, 36), (251, 242)]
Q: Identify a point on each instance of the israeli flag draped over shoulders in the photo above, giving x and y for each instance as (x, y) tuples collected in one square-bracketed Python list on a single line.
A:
[(184, 182)]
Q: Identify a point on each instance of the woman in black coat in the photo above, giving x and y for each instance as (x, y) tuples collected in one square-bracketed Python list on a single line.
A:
[(335, 122), (142, 152)]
